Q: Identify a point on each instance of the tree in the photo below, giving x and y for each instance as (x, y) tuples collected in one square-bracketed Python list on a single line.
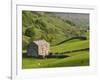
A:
[(30, 32)]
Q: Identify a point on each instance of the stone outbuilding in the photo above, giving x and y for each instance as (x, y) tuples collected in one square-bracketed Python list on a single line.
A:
[(38, 48)]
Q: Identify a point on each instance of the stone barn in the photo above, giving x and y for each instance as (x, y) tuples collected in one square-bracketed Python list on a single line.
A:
[(38, 48)]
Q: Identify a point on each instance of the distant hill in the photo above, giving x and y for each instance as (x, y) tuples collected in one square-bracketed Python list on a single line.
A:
[(52, 27), (79, 19)]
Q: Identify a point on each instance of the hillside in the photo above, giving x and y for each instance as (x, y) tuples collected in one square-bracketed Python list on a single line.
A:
[(44, 25), (76, 59), (67, 34), (70, 46), (80, 20)]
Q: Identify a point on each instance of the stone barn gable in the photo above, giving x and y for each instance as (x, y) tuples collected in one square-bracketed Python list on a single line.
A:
[(38, 48)]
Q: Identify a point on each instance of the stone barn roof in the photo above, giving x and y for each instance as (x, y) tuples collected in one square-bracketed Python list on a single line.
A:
[(38, 42)]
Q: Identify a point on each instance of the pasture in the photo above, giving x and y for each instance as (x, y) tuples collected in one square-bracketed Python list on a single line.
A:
[(79, 58), (67, 34)]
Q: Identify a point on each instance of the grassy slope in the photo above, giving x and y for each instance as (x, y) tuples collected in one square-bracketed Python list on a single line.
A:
[(68, 46), (46, 26), (80, 58), (76, 59), (51, 27), (71, 45)]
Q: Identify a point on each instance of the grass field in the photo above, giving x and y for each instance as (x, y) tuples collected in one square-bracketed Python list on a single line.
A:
[(68, 46), (76, 59), (67, 34), (80, 58)]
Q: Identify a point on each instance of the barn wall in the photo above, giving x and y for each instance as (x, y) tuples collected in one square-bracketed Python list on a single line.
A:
[(32, 50)]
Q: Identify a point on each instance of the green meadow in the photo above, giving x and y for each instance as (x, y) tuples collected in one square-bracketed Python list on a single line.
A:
[(75, 59), (80, 58), (65, 37)]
